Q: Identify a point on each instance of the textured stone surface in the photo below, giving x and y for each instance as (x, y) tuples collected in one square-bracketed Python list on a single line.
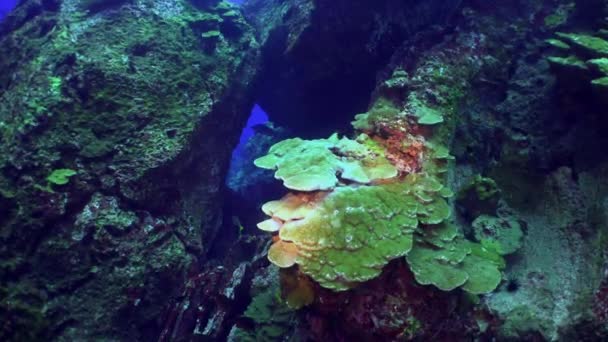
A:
[(112, 159), (116, 124), (538, 136)]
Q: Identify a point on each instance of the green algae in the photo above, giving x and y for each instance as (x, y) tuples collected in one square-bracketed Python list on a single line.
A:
[(272, 318), (502, 235), (60, 176)]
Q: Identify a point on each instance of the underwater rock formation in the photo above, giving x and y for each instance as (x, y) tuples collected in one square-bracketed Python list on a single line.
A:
[(518, 149), (537, 128), (117, 119), (463, 197), (320, 58), (342, 230)]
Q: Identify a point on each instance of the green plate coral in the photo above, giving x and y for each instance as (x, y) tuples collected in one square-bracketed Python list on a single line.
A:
[(346, 236), (358, 204), (443, 258), (309, 165)]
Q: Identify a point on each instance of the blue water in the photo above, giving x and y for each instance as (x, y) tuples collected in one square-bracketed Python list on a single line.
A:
[(258, 116), (242, 157), (6, 6)]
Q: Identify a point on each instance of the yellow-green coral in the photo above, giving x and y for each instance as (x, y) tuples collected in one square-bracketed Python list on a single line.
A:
[(382, 110), (309, 165), (587, 60), (346, 236), (556, 43), (592, 45), (441, 257), (341, 231), (600, 64), (60, 176)]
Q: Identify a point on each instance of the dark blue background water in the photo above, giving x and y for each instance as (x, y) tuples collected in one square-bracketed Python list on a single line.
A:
[(6, 6), (258, 116)]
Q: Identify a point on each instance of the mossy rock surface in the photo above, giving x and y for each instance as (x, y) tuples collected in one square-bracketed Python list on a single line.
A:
[(128, 95), (502, 235)]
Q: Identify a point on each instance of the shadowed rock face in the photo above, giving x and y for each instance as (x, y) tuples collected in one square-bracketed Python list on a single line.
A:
[(141, 102), (321, 57)]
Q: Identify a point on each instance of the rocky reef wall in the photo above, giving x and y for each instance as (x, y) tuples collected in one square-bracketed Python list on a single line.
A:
[(117, 119), (481, 133)]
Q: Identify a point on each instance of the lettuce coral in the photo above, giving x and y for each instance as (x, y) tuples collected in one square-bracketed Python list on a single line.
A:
[(347, 235), (443, 258), (358, 204), (587, 58), (309, 165)]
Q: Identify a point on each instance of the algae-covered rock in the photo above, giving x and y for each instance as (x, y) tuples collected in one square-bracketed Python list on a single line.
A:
[(479, 196), (502, 235), (117, 112), (382, 110)]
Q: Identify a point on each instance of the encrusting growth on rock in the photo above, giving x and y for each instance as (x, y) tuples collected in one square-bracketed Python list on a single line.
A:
[(358, 204)]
